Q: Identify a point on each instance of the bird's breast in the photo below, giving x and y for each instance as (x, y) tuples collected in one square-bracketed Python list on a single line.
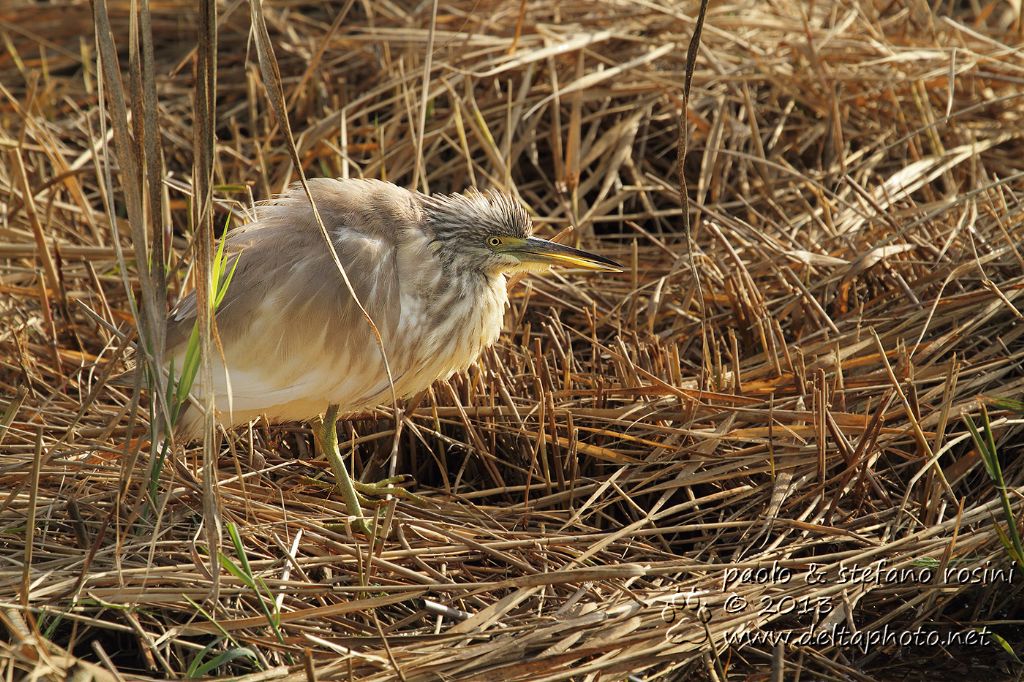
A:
[(453, 326)]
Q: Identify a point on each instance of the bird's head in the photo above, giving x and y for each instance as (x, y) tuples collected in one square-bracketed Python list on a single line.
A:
[(492, 233)]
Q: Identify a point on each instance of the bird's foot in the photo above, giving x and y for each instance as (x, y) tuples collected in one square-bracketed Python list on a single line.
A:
[(354, 493), (367, 491), (370, 496)]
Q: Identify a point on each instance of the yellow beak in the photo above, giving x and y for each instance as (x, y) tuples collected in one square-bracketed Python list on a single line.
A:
[(540, 250)]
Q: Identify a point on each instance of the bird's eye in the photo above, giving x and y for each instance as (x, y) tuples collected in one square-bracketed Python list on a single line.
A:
[(494, 241)]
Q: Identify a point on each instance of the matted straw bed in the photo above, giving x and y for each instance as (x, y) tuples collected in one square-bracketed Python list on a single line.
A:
[(757, 431)]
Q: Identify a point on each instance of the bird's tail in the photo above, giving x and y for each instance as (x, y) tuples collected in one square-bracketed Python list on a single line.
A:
[(190, 424), (125, 379)]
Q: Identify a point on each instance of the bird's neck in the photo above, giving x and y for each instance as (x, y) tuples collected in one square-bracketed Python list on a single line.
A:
[(466, 314), (472, 286)]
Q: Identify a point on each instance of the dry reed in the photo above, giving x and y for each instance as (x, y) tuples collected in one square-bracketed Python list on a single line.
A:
[(788, 396)]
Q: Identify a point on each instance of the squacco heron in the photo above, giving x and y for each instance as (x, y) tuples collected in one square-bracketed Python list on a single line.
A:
[(429, 270)]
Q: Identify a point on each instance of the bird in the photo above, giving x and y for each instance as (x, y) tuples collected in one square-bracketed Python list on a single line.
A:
[(430, 271)]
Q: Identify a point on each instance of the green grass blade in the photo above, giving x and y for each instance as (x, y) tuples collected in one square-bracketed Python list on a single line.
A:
[(204, 669), (1006, 646), (1008, 404), (984, 441)]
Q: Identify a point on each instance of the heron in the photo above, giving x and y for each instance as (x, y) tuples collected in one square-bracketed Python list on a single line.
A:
[(429, 270)]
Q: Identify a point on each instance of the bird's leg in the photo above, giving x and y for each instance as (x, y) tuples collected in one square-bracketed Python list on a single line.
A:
[(343, 482), (355, 492)]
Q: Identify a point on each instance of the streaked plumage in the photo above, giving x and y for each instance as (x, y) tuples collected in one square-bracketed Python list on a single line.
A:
[(429, 270)]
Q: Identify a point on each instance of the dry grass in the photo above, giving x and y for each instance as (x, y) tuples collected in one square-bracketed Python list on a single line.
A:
[(856, 180)]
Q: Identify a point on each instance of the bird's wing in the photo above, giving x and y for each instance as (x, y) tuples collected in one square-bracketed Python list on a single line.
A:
[(289, 326)]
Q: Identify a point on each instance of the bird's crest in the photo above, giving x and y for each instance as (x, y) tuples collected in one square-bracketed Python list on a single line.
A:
[(489, 212)]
